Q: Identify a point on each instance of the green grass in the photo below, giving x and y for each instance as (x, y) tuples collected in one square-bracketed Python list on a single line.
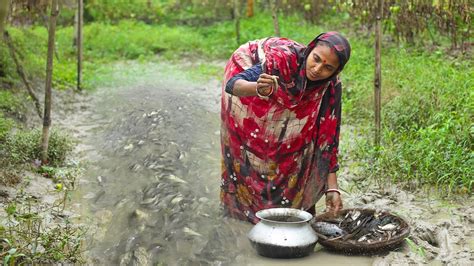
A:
[(427, 117), (6, 125), (8, 101)]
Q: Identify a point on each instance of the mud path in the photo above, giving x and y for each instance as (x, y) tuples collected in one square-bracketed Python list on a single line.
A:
[(150, 193)]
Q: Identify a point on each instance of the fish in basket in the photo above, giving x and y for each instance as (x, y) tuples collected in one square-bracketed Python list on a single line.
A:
[(356, 231)]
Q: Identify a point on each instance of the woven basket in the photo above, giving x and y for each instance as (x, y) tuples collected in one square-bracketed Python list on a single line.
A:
[(353, 247)]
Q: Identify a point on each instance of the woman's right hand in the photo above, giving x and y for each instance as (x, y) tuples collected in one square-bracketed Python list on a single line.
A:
[(265, 82)]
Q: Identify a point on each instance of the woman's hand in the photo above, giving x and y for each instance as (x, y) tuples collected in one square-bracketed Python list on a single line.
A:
[(265, 83), (333, 202)]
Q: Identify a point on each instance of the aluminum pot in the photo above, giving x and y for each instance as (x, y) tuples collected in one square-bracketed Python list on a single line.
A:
[(283, 233)]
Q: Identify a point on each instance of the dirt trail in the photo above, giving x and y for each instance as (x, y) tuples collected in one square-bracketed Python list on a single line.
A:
[(150, 141)]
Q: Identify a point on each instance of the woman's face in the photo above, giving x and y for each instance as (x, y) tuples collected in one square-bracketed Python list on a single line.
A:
[(321, 63)]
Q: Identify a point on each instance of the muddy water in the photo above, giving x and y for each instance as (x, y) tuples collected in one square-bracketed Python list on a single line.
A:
[(149, 194)]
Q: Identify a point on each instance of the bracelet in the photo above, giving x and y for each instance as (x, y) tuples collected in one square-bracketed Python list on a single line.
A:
[(333, 190), (264, 96)]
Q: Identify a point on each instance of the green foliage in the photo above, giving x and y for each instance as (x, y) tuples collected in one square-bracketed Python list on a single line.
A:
[(7, 70), (8, 101), (427, 117), (61, 175), (24, 146), (132, 40), (116, 10), (31, 48), (5, 126), (26, 240)]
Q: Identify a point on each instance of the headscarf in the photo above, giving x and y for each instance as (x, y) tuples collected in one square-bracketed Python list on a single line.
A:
[(287, 59), (339, 45)]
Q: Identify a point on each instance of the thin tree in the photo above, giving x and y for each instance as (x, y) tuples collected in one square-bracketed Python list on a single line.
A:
[(378, 70), (80, 16), (4, 5), (274, 9), (49, 79), (250, 4), (236, 8), (21, 72), (76, 21)]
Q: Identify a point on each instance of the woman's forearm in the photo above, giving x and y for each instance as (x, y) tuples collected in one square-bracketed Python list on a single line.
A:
[(244, 88), (332, 181)]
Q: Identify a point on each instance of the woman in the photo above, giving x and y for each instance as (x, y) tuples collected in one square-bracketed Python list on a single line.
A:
[(281, 113)]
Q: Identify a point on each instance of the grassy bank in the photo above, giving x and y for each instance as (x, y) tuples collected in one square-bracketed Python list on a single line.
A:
[(33, 231)]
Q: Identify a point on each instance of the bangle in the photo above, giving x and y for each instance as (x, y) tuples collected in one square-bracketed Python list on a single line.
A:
[(264, 96), (333, 190)]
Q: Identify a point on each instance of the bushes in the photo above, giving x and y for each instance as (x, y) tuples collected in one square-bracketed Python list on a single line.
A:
[(8, 101), (25, 146), (5, 126)]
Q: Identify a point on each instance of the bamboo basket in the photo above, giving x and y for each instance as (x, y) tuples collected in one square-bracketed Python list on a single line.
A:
[(354, 247)]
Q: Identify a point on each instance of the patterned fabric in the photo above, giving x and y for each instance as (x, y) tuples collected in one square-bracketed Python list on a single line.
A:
[(279, 152), (250, 74)]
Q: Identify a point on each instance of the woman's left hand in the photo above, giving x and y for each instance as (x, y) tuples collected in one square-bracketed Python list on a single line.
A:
[(333, 202)]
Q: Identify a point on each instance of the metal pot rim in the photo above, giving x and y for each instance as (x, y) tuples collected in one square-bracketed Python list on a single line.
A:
[(290, 212)]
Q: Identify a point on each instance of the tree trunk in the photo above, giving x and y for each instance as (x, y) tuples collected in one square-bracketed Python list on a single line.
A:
[(21, 72), (49, 79), (378, 70), (3, 12), (274, 8), (80, 16), (76, 21), (250, 5), (237, 20), (314, 11)]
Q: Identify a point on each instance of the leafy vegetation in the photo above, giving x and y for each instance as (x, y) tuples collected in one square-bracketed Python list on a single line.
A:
[(31, 235), (6, 125), (427, 117), (24, 146)]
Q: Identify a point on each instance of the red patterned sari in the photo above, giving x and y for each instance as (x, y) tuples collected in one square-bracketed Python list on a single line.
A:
[(277, 152)]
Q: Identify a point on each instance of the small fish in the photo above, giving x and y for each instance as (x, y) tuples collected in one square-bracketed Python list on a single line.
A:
[(388, 227), (176, 179), (363, 238), (355, 215), (328, 229), (190, 232)]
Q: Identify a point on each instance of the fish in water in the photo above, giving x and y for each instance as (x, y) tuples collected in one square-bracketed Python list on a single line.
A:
[(328, 229)]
